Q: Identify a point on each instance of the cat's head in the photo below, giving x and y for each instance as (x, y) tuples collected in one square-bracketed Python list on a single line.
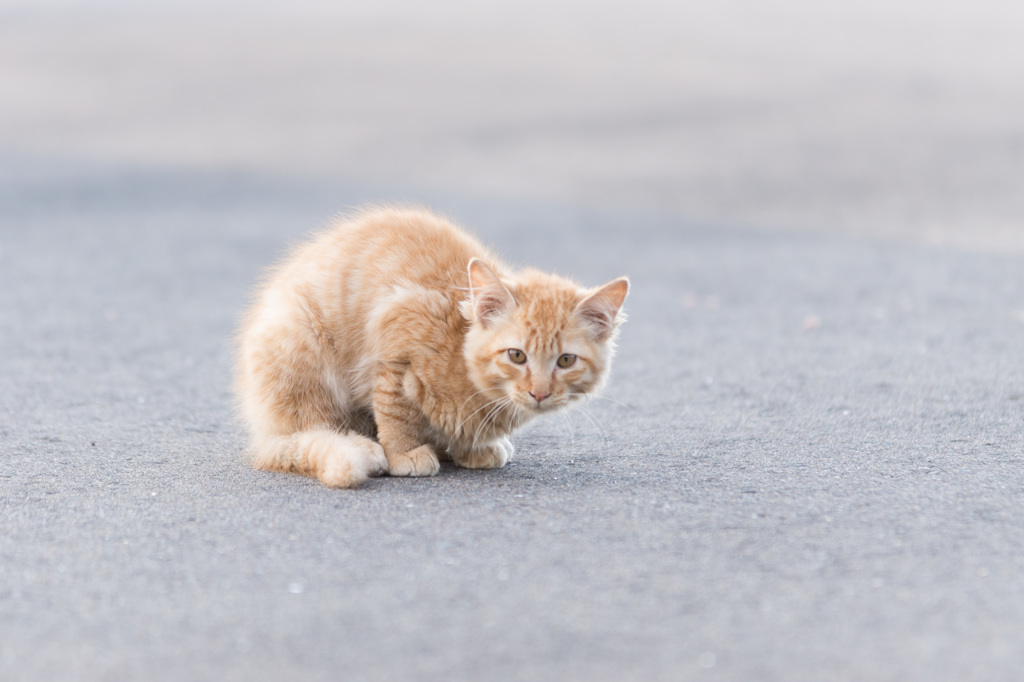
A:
[(540, 339)]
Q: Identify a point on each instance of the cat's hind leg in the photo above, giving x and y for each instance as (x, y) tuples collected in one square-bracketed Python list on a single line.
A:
[(338, 460), (299, 420)]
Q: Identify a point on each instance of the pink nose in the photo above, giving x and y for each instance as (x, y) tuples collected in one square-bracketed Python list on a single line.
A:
[(539, 396)]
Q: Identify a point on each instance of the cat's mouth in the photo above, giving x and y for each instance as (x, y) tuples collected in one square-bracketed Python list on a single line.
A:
[(539, 407)]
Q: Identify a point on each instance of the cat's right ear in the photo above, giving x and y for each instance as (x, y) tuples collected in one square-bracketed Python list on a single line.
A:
[(489, 298)]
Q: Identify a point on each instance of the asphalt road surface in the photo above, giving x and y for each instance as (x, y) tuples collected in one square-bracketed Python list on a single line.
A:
[(807, 464)]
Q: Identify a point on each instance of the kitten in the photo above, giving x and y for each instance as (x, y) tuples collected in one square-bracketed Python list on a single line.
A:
[(394, 339)]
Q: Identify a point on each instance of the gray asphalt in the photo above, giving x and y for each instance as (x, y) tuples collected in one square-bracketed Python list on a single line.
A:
[(807, 464)]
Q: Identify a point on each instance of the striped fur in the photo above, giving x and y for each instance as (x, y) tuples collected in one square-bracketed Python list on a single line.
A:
[(381, 346)]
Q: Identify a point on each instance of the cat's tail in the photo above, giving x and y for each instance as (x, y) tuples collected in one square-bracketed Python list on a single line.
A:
[(338, 460)]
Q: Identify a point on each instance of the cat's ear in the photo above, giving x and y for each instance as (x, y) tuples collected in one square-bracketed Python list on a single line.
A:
[(489, 298), (600, 310)]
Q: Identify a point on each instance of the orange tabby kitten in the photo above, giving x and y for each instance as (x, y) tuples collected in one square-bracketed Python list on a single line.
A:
[(394, 339)]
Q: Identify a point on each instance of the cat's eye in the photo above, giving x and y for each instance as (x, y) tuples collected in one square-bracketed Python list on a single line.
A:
[(517, 356), (566, 360)]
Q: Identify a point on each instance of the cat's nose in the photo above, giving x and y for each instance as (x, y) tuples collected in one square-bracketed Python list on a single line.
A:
[(539, 396)]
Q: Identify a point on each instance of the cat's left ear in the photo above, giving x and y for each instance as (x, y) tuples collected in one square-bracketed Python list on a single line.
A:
[(489, 298), (600, 310)]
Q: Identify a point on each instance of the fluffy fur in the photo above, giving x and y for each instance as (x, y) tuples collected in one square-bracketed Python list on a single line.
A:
[(394, 339)]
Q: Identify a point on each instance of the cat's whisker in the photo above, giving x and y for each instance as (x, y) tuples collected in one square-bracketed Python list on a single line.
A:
[(568, 426), (473, 395), (397, 324), (518, 414), (458, 429), (591, 396), (593, 420), (495, 411), (495, 406), (470, 397), (501, 408)]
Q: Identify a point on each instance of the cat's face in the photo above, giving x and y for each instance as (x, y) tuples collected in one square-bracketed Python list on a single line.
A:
[(539, 340)]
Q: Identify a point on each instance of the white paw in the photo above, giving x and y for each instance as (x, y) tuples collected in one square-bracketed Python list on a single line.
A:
[(492, 456), (337, 471), (348, 460), (378, 460), (418, 462), (507, 448)]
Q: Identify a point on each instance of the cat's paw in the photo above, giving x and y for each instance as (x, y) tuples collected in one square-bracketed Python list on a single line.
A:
[(492, 456), (378, 460), (350, 461), (421, 461)]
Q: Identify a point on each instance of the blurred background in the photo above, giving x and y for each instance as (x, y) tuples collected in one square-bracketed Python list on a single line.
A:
[(809, 464), (899, 120)]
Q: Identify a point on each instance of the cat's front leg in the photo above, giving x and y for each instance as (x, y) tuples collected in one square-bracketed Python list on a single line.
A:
[(490, 456), (400, 427)]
